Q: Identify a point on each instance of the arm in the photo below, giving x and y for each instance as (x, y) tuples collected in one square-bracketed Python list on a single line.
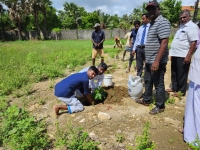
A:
[(90, 99), (161, 52), (190, 52), (103, 38)]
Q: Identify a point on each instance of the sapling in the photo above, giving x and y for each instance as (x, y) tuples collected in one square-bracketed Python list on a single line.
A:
[(99, 94)]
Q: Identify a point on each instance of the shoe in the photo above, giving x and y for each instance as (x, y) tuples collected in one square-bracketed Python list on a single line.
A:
[(156, 110), (142, 102), (127, 71)]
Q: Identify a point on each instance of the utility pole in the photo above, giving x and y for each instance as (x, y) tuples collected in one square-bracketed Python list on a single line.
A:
[(195, 11)]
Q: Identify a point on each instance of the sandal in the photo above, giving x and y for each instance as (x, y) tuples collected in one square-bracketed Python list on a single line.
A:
[(180, 130), (175, 95), (156, 110), (122, 59), (169, 90), (127, 71), (142, 102)]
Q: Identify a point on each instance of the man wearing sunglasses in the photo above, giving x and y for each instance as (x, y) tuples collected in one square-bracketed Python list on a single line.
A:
[(182, 48)]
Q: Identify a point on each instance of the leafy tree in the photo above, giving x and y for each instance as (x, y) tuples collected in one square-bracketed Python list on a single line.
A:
[(171, 9), (72, 10), (89, 20)]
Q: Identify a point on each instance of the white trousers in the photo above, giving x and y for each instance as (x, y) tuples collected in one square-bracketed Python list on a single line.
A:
[(73, 104), (192, 113)]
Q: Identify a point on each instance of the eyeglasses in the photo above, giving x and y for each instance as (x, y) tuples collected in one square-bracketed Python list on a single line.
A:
[(183, 17)]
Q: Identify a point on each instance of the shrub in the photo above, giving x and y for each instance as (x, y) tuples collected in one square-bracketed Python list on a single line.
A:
[(99, 94), (20, 131)]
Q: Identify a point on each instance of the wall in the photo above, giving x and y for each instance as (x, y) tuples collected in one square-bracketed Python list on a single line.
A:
[(12, 35)]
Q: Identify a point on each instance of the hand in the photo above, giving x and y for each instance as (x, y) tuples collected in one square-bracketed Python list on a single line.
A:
[(95, 44), (155, 66), (133, 52), (187, 60)]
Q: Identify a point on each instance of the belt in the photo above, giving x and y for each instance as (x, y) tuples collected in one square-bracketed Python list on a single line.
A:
[(141, 46)]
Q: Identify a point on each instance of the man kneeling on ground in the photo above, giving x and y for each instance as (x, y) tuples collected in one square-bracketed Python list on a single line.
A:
[(65, 89)]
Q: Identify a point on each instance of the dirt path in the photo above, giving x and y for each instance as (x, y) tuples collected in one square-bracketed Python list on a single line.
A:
[(127, 117)]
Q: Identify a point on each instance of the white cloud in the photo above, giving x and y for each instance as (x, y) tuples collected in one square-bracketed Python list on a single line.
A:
[(111, 7)]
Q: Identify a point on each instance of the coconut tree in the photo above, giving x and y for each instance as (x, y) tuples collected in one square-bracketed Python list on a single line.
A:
[(45, 4), (18, 10)]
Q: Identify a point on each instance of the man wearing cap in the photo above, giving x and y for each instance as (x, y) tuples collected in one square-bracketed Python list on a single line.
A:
[(97, 38), (156, 54)]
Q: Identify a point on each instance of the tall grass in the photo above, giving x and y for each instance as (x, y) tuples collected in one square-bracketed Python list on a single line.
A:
[(25, 62)]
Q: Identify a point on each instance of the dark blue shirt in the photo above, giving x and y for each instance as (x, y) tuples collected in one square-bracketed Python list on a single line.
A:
[(97, 38), (133, 35), (69, 85)]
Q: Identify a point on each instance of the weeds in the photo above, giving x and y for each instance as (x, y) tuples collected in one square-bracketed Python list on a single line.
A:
[(20, 131), (196, 144), (74, 139), (179, 95), (120, 138), (170, 100), (143, 142)]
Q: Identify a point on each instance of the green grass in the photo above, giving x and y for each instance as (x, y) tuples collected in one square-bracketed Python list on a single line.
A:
[(24, 62)]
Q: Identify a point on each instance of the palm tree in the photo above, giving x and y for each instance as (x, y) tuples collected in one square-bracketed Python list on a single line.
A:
[(18, 10), (72, 10), (45, 4)]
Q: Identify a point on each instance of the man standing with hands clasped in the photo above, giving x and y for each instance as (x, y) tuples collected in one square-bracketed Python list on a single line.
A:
[(139, 45), (156, 54), (97, 38)]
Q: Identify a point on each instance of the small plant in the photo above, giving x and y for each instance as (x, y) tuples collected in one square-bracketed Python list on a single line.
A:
[(196, 144), (99, 94), (120, 138), (143, 141), (170, 100), (41, 102), (179, 95), (74, 139), (114, 66)]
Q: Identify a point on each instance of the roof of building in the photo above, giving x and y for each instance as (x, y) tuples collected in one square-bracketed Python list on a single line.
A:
[(190, 8)]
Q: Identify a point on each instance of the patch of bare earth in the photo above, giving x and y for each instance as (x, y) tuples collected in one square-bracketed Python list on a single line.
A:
[(127, 117)]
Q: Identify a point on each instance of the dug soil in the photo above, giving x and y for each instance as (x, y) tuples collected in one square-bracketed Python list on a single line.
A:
[(127, 117)]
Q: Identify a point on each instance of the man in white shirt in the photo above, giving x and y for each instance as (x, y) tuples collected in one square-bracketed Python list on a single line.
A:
[(97, 80), (139, 45), (182, 48), (192, 111)]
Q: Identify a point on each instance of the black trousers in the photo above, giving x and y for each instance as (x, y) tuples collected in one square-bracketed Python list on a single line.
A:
[(140, 58), (156, 79), (179, 74)]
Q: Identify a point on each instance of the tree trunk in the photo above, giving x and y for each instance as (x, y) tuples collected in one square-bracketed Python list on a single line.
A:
[(45, 24), (2, 31), (37, 24), (19, 31)]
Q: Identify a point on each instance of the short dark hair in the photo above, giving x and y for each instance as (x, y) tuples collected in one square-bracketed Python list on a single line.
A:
[(185, 11), (145, 14), (103, 65), (137, 22), (93, 68)]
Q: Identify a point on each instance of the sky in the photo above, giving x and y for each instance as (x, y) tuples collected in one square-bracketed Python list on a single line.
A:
[(111, 7)]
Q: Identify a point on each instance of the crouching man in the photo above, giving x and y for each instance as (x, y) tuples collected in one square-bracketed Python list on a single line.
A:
[(65, 89)]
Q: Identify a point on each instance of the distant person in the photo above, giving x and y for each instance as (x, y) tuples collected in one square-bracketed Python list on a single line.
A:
[(119, 45), (182, 49), (97, 38), (132, 40), (127, 45), (97, 80), (139, 45), (156, 56), (65, 89)]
